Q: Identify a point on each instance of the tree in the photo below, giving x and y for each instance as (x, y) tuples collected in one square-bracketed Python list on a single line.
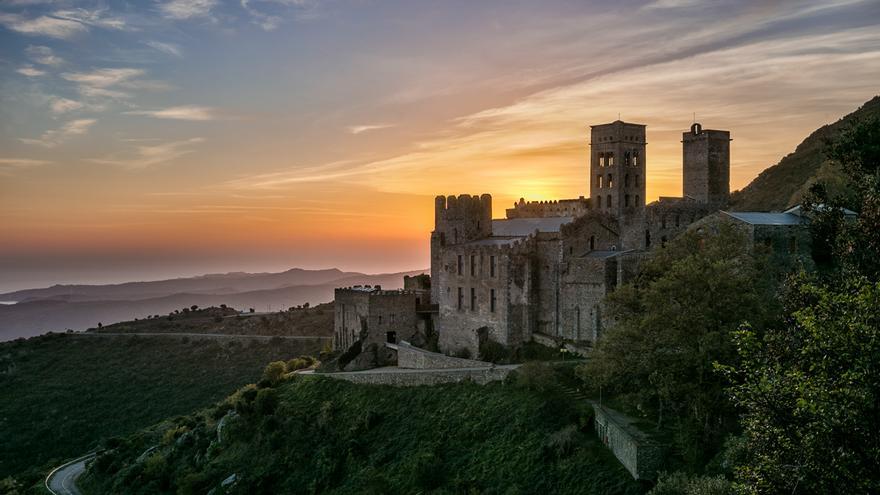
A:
[(673, 323), (809, 388), (194, 307)]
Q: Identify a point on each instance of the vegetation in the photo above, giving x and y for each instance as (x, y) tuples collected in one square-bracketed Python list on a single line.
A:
[(322, 435), (63, 393), (674, 321), (297, 321), (809, 387)]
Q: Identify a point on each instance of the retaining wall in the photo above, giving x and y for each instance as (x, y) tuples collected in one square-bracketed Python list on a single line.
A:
[(640, 455), (410, 378)]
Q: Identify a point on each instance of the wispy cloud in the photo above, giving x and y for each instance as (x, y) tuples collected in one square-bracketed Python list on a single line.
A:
[(53, 138), (95, 17), (9, 165), (43, 26), (30, 71), (147, 155), (358, 129), (60, 105), (167, 48), (112, 83), (185, 112), (43, 55), (186, 9)]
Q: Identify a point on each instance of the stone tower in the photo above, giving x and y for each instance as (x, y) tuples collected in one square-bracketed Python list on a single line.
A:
[(706, 163), (617, 167), (457, 220)]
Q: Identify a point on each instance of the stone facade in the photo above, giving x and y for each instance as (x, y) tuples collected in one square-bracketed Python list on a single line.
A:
[(373, 315), (706, 165), (545, 270), (410, 357)]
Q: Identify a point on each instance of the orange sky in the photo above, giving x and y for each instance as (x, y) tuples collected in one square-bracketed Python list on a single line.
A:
[(132, 147)]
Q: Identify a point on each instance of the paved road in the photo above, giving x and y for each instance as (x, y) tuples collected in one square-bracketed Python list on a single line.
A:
[(208, 335), (62, 480)]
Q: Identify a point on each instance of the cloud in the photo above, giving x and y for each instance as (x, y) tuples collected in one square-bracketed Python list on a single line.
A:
[(43, 26), (8, 165), (96, 18), (30, 71), (185, 112), (186, 9), (167, 48), (43, 55), (304, 9), (146, 155), (358, 129), (60, 105), (53, 138), (110, 83)]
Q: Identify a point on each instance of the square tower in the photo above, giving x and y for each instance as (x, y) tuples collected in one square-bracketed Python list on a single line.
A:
[(706, 164), (617, 167)]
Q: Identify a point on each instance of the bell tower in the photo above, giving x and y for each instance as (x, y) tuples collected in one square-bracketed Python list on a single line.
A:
[(617, 167)]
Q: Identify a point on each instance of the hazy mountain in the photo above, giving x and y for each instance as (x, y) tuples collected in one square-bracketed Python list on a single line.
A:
[(784, 184), (82, 307)]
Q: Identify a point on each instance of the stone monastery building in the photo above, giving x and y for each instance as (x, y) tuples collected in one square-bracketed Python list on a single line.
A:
[(542, 272)]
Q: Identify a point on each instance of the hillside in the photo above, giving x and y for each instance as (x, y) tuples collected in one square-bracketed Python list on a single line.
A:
[(37, 316), (319, 435), (72, 390), (314, 321), (784, 184)]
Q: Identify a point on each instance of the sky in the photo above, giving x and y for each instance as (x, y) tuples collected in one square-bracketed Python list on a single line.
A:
[(151, 139)]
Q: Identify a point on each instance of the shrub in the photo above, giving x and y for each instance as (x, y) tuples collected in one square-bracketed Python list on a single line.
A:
[(274, 372), (155, 465), (266, 401), (679, 483), (494, 352), (562, 442), (536, 376)]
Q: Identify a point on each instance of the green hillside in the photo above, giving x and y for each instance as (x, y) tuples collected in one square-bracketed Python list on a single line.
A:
[(784, 184), (62, 393), (319, 435)]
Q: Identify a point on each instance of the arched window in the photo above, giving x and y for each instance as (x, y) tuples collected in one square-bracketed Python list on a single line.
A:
[(601, 159), (610, 180), (610, 160), (647, 239), (635, 158), (637, 200), (627, 158)]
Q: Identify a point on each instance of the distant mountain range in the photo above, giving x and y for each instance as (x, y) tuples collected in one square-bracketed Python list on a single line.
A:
[(784, 184), (79, 307)]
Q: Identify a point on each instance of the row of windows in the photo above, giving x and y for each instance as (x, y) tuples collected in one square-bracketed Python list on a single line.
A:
[(473, 299), (609, 183), (630, 158), (474, 265), (626, 201)]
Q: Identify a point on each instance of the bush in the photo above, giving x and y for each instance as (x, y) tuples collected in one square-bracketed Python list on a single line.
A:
[(536, 376), (679, 483), (300, 363), (274, 372), (494, 352), (562, 442), (266, 401)]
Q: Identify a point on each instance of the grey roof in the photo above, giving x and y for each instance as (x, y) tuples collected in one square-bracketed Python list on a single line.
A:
[(797, 210), (493, 241), (761, 218), (521, 227)]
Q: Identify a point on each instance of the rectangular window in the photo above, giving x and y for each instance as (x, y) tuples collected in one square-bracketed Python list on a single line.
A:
[(492, 300), (473, 298), (460, 297), (459, 264), (473, 265), (610, 161), (599, 181), (610, 181), (491, 266)]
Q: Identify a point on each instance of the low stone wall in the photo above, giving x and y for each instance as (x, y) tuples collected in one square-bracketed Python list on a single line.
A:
[(411, 378), (640, 455), (416, 358)]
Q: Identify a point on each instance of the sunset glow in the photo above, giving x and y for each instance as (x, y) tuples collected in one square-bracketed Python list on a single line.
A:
[(177, 137)]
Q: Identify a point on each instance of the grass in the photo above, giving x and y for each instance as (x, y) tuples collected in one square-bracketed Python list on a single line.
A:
[(62, 394), (319, 435)]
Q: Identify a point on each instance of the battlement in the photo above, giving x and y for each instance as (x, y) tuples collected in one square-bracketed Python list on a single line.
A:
[(549, 208), (462, 218)]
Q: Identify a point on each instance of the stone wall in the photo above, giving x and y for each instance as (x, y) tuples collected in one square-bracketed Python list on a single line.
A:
[(414, 358), (543, 209), (640, 455), (375, 316), (412, 378)]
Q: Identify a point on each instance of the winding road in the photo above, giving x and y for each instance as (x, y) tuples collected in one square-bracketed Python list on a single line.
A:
[(62, 480)]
